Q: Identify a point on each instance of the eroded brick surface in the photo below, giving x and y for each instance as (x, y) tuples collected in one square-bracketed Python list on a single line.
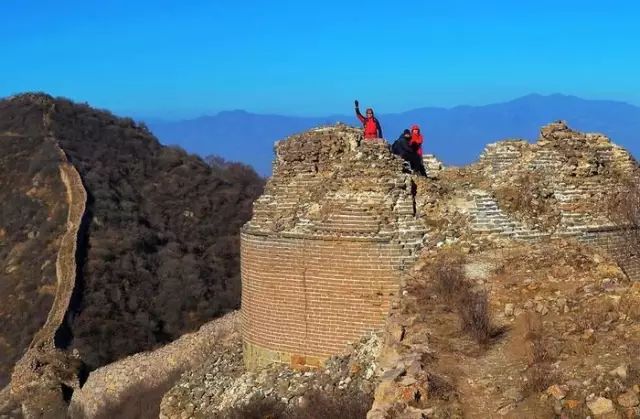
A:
[(327, 247)]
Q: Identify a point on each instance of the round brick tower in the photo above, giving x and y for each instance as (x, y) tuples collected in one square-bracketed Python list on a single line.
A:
[(326, 248)]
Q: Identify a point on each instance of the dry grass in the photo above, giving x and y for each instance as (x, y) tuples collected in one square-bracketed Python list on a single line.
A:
[(448, 272), (530, 339), (440, 388), (473, 309), (472, 306)]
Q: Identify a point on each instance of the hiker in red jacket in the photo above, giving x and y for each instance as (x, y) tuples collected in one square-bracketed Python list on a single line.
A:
[(370, 123), (416, 139)]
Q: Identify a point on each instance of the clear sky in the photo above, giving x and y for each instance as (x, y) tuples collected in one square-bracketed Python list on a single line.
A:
[(170, 58)]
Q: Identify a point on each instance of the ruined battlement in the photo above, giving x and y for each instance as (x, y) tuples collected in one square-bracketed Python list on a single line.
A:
[(327, 246), (559, 151), (340, 224), (560, 186), (568, 175)]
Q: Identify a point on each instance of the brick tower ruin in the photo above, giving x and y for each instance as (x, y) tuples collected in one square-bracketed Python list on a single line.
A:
[(325, 251), (340, 223)]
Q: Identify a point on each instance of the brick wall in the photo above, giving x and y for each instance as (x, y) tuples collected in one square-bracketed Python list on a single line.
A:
[(309, 297), (327, 247), (582, 171), (615, 242)]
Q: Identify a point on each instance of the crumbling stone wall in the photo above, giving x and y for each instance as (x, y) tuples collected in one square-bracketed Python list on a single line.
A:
[(38, 377), (337, 227), (582, 171), (432, 165), (326, 248)]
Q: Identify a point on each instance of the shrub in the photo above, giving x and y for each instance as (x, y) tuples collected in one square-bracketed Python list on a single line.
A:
[(448, 272), (539, 374), (473, 309), (472, 306)]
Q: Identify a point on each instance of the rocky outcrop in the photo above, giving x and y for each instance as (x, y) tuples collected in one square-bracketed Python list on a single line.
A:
[(134, 386)]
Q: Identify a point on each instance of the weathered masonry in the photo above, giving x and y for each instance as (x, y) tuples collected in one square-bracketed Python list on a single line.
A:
[(327, 246), (340, 224), (574, 176)]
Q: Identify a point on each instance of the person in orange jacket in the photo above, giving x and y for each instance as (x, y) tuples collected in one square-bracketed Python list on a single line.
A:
[(372, 128), (416, 139)]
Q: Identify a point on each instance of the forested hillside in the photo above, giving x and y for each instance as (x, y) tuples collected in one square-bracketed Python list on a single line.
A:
[(159, 252)]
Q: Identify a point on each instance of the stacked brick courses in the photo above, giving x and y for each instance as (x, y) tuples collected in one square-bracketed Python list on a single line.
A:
[(336, 228), (432, 165), (583, 170), (324, 254)]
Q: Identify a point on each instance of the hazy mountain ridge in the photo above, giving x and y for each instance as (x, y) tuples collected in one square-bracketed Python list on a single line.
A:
[(457, 135)]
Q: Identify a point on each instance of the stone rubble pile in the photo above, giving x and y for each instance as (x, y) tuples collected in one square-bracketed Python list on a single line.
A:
[(222, 384)]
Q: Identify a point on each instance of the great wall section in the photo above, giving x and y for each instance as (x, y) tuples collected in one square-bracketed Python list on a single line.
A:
[(581, 174), (66, 260), (325, 251), (33, 379), (326, 256), (333, 253), (337, 228)]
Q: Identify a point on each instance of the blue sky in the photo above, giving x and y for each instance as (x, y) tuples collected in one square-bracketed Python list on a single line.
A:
[(177, 59)]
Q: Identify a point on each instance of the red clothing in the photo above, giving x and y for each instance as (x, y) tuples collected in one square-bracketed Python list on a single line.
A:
[(371, 126), (416, 139)]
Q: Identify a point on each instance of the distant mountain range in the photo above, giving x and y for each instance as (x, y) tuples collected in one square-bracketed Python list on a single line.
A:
[(456, 135)]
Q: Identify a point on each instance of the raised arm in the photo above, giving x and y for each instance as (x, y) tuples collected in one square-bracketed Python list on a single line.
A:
[(358, 114)]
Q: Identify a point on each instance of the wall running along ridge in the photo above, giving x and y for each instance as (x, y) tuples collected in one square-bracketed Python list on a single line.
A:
[(337, 228), (326, 249), (66, 261), (30, 372), (138, 382)]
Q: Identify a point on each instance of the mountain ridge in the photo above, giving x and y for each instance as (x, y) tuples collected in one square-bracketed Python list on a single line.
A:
[(457, 134), (158, 255)]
